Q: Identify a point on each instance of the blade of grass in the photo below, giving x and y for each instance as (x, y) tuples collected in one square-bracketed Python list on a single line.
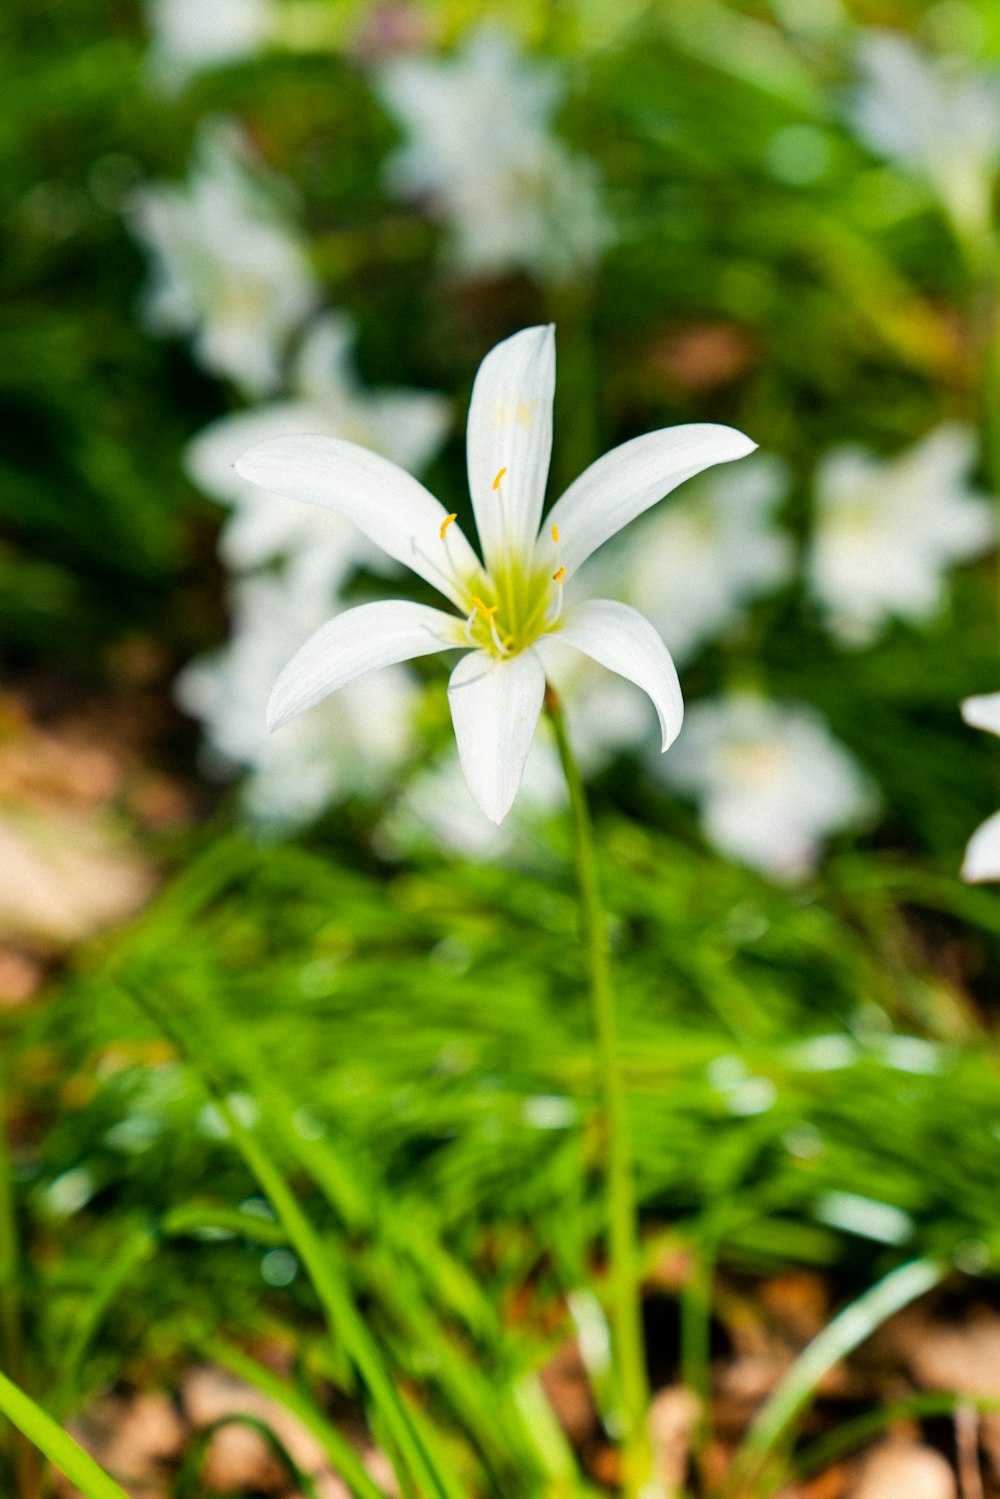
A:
[(847, 1331), (342, 1457), (12, 1349), (318, 1259), (827, 1449), (134, 1251), (187, 1485), (50, 1439)]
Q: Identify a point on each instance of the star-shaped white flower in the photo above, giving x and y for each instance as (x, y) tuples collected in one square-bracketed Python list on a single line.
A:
[(353, 745), (509, 606), (982, 856), (226, 267), (771, 781), (934, 121), (480, 148), (887, 531), (407, 426)]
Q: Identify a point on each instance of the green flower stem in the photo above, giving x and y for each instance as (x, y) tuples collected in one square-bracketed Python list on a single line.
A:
[(622, 1216), (50, 1439)]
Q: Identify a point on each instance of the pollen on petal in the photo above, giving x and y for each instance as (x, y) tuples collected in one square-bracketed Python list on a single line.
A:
[(555, 534), (558, 577), (496, 481), (447, 522)]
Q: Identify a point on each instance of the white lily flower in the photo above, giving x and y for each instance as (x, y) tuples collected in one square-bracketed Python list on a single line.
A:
[(406, 426), (227, 269), (353, 746), (770, 779), (190, 36), (511, 601), (695, 567), (887, 531), (941, 124), (480, 147), (982, 856)]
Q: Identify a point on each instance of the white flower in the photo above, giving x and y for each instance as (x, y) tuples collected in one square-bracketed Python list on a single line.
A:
[(353, 745), (770, 779), (226, 268), (982, 856), (188, 36), (480, 147), (695, 566), (940, 124), (406, 426), (509, 605), (436, 809), (887, 531)]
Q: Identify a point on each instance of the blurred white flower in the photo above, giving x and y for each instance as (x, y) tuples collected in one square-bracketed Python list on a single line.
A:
[(770, 779), (436, 809), (605, 714), (937, 119), (695, 566), (354, 744), (226, 267), (886, 531), (406, 426), (982, 856), (190, 36), (480, 149)]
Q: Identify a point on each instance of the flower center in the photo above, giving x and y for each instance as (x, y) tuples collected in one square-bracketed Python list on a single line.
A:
[(514, 602), (515, 605)]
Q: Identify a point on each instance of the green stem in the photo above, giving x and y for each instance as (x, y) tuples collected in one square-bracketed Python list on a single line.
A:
[(622, 1215)]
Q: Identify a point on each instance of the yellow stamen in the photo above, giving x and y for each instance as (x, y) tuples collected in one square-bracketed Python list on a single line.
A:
[(447, 522), (496, 481), (482, 607), (558, 577), (555, 534)]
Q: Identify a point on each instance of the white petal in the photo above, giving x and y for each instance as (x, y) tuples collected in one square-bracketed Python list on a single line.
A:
[(626, 481), (494, 707), (983, 712), (391, 507), (624, 641), (982, 856), (355, 642), (510, 441)]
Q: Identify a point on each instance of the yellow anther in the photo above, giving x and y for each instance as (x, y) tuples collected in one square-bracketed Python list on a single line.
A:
[(496, 481), (558, 577), (447, 522), (482, 607), (555, 534)]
